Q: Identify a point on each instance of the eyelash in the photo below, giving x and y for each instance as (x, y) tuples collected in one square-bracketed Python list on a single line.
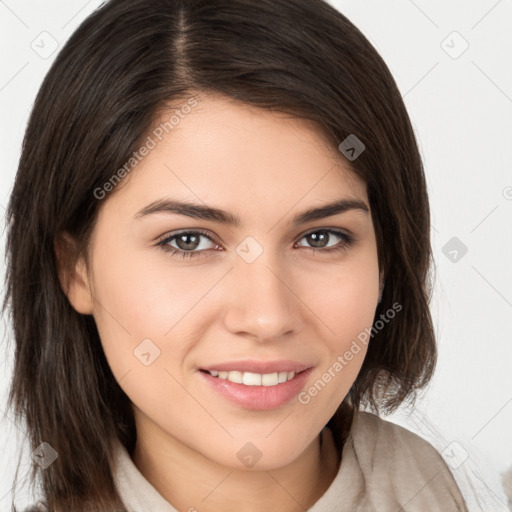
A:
[(348, 240)]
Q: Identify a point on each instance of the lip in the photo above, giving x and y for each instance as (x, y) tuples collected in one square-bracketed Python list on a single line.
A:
[(250, 365), (257, 398)]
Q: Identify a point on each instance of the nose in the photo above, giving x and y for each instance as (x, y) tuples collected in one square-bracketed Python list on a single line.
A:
[(263, 301)]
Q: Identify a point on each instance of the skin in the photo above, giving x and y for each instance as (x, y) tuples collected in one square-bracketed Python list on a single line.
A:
[(290, 303)]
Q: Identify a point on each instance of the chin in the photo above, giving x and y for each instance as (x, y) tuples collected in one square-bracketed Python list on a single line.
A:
[(258, 454)]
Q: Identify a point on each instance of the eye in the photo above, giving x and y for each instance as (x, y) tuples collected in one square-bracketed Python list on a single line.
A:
[(188, 243), (319, 240)]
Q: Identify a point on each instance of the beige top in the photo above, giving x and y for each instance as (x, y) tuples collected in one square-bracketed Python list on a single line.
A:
[(384, 468)]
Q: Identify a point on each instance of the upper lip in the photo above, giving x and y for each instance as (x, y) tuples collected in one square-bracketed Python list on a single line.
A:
[(262, 367)]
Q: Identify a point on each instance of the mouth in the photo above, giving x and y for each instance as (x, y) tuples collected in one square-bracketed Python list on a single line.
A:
[(257, 385)]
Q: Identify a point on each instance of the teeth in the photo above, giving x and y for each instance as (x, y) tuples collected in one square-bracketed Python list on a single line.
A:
[(234, 376), (254, 379), (270, 379)]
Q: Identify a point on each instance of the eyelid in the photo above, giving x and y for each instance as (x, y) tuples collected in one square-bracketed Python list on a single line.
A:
[(328, 228), (173, 234)]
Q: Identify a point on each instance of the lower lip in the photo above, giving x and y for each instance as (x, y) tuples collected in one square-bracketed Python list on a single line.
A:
[(259, 398)]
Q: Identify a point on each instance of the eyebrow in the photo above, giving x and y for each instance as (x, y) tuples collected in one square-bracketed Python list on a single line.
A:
[(198, 211)]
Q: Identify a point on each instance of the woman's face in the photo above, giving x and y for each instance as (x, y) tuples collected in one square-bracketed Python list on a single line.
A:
[(266, 295)]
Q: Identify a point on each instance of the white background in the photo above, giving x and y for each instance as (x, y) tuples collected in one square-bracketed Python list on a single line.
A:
[(461, 110)]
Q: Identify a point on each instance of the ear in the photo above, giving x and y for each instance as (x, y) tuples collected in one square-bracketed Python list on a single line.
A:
[(381, 284), (73, 279)]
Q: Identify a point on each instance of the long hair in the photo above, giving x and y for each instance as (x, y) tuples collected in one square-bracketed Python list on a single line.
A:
[(127, 62)]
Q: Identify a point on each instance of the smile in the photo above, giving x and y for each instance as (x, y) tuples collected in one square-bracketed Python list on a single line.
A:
[(253, 379), (273, 386)]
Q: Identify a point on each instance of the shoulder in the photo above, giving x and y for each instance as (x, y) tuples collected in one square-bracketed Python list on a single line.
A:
[(382, 440), (375, 429), (393, 457)]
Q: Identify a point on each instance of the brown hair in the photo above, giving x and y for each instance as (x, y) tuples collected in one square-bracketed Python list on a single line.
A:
[(125, 63)]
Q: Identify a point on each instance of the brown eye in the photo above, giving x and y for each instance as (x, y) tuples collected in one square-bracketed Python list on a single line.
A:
[(321, 238), (186, 243)]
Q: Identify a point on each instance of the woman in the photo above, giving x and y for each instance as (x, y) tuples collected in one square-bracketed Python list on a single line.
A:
[(218, 257)]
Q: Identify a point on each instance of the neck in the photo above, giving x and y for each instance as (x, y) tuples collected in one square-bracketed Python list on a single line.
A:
[(188, 480)]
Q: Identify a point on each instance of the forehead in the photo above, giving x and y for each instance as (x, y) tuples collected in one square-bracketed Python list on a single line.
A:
[(225, 152)]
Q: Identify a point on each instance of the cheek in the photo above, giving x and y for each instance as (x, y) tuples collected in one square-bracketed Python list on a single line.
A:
[(148, 312), (344, 298), (132, 304), (346, 302)]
